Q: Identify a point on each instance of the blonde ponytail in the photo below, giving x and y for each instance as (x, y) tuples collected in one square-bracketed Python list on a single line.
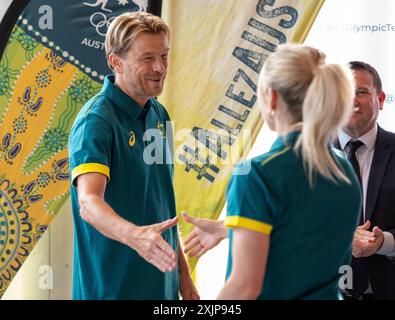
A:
[(319, 99), (326, 107)]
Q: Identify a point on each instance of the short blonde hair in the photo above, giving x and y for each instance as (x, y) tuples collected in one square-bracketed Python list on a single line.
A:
[(125, 28), (319, 99)]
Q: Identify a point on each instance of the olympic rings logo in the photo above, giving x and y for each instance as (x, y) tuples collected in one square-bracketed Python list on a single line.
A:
[(100, 22)]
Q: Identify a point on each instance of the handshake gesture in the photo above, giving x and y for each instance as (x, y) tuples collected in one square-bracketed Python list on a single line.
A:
[(151, 246)]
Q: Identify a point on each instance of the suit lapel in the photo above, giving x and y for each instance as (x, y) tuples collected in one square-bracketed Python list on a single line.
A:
[(382, 154)]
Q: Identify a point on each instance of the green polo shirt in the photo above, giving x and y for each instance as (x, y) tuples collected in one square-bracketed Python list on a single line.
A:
[(310, 230), (108, 137)]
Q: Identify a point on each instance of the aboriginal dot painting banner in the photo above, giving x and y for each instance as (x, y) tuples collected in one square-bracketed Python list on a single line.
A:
[(52, 62), (217, 50)]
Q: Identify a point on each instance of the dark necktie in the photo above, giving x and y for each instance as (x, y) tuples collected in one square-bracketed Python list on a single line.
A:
[(353, 147), (359, 265)]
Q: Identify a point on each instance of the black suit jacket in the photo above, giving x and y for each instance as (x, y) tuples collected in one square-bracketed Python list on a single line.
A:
[(380, 210)]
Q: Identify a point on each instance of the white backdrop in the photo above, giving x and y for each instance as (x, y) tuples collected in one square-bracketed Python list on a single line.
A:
[(3, 6)]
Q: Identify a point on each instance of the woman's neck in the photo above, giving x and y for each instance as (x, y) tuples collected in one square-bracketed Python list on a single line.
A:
[(284, 129)]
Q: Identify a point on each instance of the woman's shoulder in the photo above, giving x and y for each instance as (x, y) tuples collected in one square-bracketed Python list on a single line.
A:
[(266, 162), (341, 158), (273, 158)]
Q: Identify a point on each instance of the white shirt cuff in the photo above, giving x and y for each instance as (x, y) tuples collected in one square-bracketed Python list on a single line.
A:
[(388, 247)]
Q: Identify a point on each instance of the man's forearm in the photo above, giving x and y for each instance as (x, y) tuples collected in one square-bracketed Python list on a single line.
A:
[(102, 217), (145, 240)]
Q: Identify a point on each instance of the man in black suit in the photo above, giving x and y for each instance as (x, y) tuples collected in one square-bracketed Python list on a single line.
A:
[(371, 150)]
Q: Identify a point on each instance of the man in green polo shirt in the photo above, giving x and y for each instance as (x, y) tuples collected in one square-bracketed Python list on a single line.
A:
[(126, 240)]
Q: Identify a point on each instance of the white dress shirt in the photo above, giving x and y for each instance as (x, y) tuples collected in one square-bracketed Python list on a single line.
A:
[(364, 156)]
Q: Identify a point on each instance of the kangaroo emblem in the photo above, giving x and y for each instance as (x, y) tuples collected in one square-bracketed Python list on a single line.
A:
[(140, 4)]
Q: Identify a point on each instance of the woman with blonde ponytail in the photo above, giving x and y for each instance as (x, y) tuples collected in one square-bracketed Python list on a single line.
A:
[(292, 217)]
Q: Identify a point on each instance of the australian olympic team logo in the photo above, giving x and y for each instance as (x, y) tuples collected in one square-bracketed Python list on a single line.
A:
[(161, 129), (100, 21)]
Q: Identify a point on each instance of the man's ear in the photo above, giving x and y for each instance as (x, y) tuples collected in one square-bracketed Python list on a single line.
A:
[(116, 63), (381, 99)]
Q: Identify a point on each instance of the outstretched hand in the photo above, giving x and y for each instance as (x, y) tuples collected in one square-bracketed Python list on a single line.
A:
[(205, 236), (151, 246)]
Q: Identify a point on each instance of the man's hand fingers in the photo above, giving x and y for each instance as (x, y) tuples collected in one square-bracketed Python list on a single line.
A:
[(162, 256), (164, 225), (365, 226), (365, 237), (158, 263), (377, 231), (166, 263), (166, 249), (155, 263), (363, 233)]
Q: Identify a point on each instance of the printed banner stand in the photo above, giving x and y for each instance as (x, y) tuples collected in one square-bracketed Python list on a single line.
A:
[(52, 62)]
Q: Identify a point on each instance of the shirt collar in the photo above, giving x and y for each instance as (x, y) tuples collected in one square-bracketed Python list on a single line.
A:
[(122, 99), (368, 139), (287, 140)]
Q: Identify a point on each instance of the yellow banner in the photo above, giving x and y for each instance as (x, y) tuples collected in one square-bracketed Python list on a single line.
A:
[(217, 50)]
